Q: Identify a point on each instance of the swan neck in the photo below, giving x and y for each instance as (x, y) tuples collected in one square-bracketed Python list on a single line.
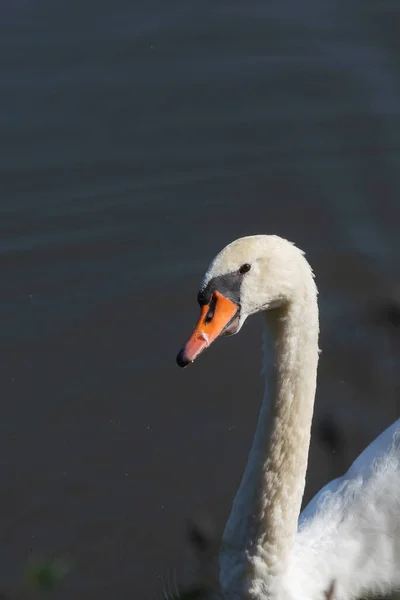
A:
[(261, 529), (282, 478)]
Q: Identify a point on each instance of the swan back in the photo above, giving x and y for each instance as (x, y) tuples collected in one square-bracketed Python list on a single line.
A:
[(350, 531)]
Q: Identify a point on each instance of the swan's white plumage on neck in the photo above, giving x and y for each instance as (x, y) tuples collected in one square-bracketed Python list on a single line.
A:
[(263, 522), (350, 533)]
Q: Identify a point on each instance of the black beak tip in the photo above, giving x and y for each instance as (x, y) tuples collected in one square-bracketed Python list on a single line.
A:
[(181, 360)]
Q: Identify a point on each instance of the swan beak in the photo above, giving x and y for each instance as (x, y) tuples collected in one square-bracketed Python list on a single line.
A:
[(214, 318)]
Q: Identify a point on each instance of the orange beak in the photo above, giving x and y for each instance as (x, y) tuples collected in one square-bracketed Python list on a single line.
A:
[(214, 317)]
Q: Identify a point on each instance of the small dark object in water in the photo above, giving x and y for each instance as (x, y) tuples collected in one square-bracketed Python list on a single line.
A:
[(388, 310), (199, 537), (329, 434)]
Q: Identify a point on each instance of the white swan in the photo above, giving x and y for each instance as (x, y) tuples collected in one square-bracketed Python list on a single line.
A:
[(349, 534)]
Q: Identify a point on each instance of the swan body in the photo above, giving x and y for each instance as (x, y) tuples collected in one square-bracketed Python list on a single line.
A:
[(349, 534)]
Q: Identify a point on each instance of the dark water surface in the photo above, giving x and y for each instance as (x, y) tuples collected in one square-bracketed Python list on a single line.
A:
[(137, 139)]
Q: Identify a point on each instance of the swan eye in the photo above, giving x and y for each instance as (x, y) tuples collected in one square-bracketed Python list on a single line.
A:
[(244, 268)]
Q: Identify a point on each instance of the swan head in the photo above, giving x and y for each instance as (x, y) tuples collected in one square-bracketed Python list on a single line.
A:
[(250, 275)]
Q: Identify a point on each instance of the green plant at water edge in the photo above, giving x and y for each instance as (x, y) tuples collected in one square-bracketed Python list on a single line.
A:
[(44, 575)]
